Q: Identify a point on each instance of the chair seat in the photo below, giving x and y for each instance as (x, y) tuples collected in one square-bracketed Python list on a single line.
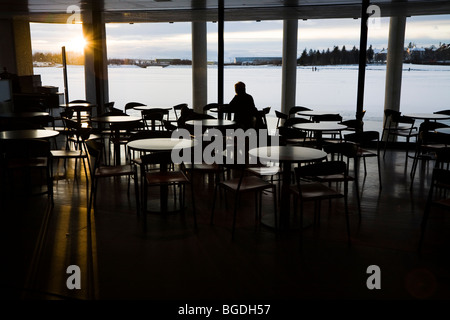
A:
[(365, 153), (404, 133), (213, 168), (265, 170), (114, 171), (316, 191), (250, 183), (335, 178), (169, 177), (68, 153)]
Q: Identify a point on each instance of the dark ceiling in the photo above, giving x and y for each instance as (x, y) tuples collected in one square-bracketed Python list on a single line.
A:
[(207, 10)]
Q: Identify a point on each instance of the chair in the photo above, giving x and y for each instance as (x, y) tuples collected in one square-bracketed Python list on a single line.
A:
[(293, 111), (100, 171), (121, 132), (292, 136), (365, 140), (428, 143), (109, 106), (438, 197), (396, 125), (354, 125), (153, 118), (308, 188), (80, 136), (237, 161), (349, 151), (25, 164), (177, 109), (327, 117), (164, 178), (281, 117), (131, 105)]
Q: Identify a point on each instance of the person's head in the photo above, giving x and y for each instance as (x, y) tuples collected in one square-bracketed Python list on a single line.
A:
[(239, 87)]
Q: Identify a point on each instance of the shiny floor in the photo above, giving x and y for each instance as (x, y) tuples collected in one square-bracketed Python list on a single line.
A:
[(174, 261)]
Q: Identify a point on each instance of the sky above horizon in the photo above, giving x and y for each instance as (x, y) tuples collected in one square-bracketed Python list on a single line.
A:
[(242, 39)]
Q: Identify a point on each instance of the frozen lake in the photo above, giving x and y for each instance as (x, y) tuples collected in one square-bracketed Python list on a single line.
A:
[(424, 88)]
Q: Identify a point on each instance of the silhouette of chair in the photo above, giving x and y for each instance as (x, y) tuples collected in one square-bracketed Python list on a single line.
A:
[(281, 117), (438, 195), (308, 188), (293, 111), (131, 105), (396, 125), (164, 178), (365, 140), (237, 161), (100, 171)]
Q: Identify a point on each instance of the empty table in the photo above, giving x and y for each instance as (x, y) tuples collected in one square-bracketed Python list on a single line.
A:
[(27, 134), (319, 127)]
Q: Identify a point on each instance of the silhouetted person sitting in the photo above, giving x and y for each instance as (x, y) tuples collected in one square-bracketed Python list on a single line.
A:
[(243, 107)]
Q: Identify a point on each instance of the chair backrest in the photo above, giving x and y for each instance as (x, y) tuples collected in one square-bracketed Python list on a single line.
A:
[(327, 117), (161, 158), (296, 109), (280, 116), (210, 106), (354, 124), (79, 101), (177, 109), (325, 168), (291, 121), (76, 128), (95, 150), (443, 159), (108, 106), (347, 149), (131, 105), (363, 138)]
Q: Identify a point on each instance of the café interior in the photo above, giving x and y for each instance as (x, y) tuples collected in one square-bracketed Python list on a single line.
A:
[(94, 207)]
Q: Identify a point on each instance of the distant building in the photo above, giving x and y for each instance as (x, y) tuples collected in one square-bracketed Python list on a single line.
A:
[(257, 60)]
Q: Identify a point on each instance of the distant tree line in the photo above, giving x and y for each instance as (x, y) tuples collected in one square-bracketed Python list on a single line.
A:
[(332, 57), (56, 58)]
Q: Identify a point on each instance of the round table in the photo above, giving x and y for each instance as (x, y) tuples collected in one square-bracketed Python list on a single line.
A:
[(143, 108), (312, 113), (27, 134), (26, 114), (319, 127), (160, 144), (427, 116), (287, 155), (116, 119), (211, 123)]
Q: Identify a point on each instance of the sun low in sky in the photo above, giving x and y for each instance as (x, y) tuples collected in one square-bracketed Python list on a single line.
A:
[(76, 44)]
